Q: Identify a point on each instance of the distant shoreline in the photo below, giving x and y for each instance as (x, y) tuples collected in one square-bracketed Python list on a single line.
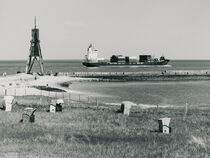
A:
[(143, 76), (105, 59), (151, 78)]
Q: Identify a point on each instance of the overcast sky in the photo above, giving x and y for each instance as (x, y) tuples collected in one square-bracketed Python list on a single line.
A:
[(178, 29)]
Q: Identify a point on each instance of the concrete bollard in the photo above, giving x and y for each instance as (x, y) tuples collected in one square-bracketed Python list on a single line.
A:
[(52, 108), (164, 125), (126, 107), (8, 100), (56, 105)]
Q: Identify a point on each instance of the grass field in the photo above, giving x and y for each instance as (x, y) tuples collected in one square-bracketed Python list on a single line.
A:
[(84, 130)]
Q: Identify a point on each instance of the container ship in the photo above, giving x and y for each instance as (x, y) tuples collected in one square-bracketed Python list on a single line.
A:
[(92, 60)]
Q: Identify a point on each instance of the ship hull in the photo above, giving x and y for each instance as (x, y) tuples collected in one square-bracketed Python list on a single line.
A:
[(98, 64)]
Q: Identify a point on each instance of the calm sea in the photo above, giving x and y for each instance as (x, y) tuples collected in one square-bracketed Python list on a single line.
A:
[(196, 93), (172, 93), (11, 67)]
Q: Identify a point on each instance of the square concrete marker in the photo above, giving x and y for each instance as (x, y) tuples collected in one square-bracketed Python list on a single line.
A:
[(164, 125), (56, 105), (8, 100), (52, 108), (126, 106)]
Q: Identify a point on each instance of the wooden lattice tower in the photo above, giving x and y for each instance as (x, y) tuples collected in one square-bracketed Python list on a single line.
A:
[(35, 51)]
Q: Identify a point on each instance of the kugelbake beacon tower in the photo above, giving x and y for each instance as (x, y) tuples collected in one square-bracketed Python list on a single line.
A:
[(35, 51)]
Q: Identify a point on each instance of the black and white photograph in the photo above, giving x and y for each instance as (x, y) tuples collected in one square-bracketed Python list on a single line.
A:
[(104, 78)]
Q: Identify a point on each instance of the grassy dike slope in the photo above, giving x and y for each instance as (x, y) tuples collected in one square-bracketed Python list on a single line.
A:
[(83, 130)]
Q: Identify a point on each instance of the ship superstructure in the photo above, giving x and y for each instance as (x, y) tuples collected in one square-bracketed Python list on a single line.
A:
[(92, 55)]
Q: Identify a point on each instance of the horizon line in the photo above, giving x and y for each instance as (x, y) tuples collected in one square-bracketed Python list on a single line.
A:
[(83, 59)]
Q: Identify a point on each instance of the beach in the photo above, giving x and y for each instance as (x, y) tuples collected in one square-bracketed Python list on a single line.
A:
[(28, 82), (104, 79), (164, 93), (90, 123)]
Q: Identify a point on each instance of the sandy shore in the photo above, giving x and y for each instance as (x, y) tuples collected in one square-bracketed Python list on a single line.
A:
[(22, 83), (25, 84)]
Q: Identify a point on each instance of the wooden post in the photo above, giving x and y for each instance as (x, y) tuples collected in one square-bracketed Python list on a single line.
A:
[(185, 114), (97, 103), (69, 98), (40, 101), (79, 97), (157, 108), (5, 92), (63, 95), (25, 91), (15, 92)]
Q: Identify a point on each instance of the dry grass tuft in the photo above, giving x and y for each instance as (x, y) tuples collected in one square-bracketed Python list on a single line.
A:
[(84, 130)]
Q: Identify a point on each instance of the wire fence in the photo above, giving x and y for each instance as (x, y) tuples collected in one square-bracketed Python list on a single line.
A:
[(67, 97), (43, 98)]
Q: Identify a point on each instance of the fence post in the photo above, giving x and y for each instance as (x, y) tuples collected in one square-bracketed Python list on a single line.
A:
[(79, 97), (185, 114), (15, 92), (97, 103), (40, 100), (5, 92), (69, 98)]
